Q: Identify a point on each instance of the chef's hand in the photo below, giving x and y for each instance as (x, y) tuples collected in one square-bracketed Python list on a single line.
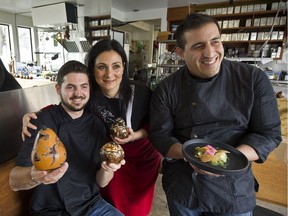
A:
[(45, 177), (203, 172), (26, 124)]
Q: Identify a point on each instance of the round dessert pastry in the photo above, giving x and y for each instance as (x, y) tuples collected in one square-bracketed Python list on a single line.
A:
[(118, 129), (48, 152), (112, 152)]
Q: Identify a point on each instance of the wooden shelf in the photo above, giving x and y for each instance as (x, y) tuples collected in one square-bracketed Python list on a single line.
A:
[(97, 28), (176, 16)]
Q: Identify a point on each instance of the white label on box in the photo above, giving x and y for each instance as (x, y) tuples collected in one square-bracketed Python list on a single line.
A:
[(253, 36), (240, 36), (218, 11), (260, 35), (263, 7), (266, 35), (224, 10), (229, 36), (257, 22), (283, 20), (250, 8), (263, 21), (280, 35), (248, 22), (230, 23), (244, 9), (237, 9), (230, 10), (225, 23), (270, 21), (257, 7), (245, 36), (236, 23), (274, 6), (274, 35), (277, 21)]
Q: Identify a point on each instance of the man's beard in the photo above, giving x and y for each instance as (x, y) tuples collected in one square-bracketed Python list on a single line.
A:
[(71, 107)]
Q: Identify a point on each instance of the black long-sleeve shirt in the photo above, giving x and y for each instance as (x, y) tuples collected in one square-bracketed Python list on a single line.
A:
[(237, 106), (76, 192)]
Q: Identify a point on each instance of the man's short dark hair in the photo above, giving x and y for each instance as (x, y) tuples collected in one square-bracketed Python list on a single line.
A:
[(191, 22), (69, 67)]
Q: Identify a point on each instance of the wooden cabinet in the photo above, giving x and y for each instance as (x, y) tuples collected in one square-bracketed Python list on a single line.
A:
[(250, 29), (97, 28)]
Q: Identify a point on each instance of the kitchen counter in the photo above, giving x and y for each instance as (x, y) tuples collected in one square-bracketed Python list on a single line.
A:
[(39, 81)]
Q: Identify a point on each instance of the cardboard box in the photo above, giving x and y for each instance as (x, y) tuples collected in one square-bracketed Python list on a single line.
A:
[(237, 9), (253, 36), (225, 24), (234, 37), (224, 10), (218, 11), (230, 23), (208, 11), (257, 7), (270, 21), (230, 10), (246, 36), (263, 21), (260, 36), (236, 23), (248, 22), (274, 35), (274, 6), (263, 7), (283, 20), (257, 22), (280, 35), (244, 8), (277, 21), (163, 35), (250, 8), (223, 37)]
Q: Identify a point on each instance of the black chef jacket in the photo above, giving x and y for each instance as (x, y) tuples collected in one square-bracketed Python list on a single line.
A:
[(77, 190)]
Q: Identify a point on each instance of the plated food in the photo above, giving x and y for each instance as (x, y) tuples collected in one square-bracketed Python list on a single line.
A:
[(228, 161), (209, 154)]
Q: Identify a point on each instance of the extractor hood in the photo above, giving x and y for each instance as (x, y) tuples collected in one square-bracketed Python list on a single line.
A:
[(59, 14)]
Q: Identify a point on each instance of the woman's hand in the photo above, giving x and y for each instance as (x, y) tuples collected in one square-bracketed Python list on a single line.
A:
[(106, 173), (131, 137), (26, 124), (112, 167)]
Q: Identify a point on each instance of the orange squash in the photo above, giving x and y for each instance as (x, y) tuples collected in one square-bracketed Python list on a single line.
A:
[(48, 152), (112, 152)]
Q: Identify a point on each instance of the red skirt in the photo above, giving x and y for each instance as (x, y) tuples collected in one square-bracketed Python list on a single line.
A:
[(131, 190)]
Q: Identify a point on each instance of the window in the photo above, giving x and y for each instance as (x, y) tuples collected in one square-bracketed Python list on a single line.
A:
[(5, 45), (25, 44)]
